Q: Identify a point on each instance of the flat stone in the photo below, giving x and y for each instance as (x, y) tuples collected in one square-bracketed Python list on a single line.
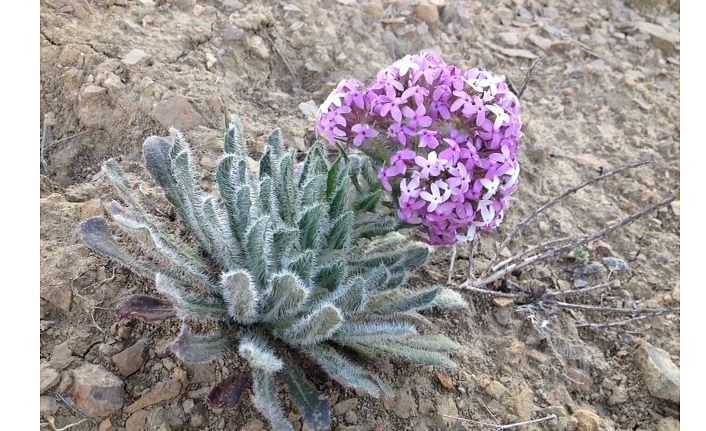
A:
[(47, 406), (58, 294), (48, 377), (178, 112), (345, 406), (131, 359), (161, 392), (445, 381), (587, 420), (61, 356), (404, 405), (136, 57), (660, 374), (97, 391), (91, 91), (615, 264)]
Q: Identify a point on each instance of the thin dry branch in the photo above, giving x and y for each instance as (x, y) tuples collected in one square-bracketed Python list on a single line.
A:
[(613, 310), (618, 323), (521, 225), (532, 249), (580, 291), (528, 77), (558, 250), (502, 427)]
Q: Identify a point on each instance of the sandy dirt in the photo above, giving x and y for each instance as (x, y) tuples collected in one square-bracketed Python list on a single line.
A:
[(114, 72)]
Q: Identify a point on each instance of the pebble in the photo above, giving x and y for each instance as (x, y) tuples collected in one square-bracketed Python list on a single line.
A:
[(58, 294), (197, 420), (351, 417), (578, 380), (258, 47), (136, 421), (48, 377), (178, 112), (188, 405), (445, 381), (589, 270), (615, 265), (603, 249), (619, 396), (345, 406), (660, 374), (136, 57), (667, 424), (427, 12), (61, 356), (253, 425), (309, 109), (445, 405), (131, 359), (106, 425), (404, 405), (495, 389), (47, 406), (90, 91), (97, 391), (161, 392), (587, 420)]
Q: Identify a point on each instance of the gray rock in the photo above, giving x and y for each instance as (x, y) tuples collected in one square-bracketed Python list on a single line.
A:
[(48, 377), (234, 34), (660, 374), (61, 356), (309, 108), (90, 91), (345, 406), (667, 424), (47, 406), (131, 359), (97, 391), (136, 57), (591, 269), (615, 265)]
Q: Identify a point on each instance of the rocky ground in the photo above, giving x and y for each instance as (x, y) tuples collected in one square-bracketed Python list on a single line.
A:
[(606, 94)]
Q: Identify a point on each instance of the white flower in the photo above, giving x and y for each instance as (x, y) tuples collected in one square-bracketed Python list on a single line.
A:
[(500, 115), (491, 186), (404, 64), (334, 98)]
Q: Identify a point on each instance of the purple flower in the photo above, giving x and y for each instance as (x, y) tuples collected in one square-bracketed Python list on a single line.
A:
[(409, 190), (363, 132), (427, 139), (430, 165), (390, 104), (435, 197)]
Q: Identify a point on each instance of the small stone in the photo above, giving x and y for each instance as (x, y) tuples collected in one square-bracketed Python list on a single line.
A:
[(667, 424), (445, 381), (258, 47), (345, 406), (197, 420), (136, 421), (61, 356), (587, 420), (537, 154), (177, 112), (495, 389), (168, 363), (351, 417), (106, 425), (615, 265), (589, 270), (124, 332), (66, 381), (91, 208), (211, 61), (48, 377), (404, 405), (578, 380), (503, 315), (233, 34), (427, 12), (445, 406), (58, 294), (136, 57), (619, 396), (131, 359), (503, 302), (161, 392), (198, 10), (188, 406), (97, 391), (658, 371), (603, 249), (254, 425), (309, 109), (509, 37), (47, 406), (90, 91)]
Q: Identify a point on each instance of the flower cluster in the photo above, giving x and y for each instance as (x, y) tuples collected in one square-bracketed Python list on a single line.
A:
[(447, 140)]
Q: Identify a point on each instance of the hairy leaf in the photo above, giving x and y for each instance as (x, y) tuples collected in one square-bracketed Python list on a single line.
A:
[(319, 325), (315, 411), (266, 401), (259, 355), (200, 348), (227, 392), (144, 307), (286, 298), (342, 370), (310, 226), (241, 295), (234, 141)]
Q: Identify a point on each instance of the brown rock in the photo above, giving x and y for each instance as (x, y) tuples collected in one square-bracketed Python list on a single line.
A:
[(523, 404), (587, 420), (445, 406), (131, 359), (404, 405), (58, 294), (495, 389), (136, 421), (658, 371), (61, 356), (254, 425), (603, 249), (161, 392), (503, 302), (667, 424), (91, 208), (445, 381), (578, 380), (345, 406), (48, 377), (97, 391), (427, 12), (176, 111), (106, 425)]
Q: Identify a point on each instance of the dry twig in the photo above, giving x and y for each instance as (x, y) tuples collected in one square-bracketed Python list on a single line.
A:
[(558, 250), (528, 77), (502, 427), (618, 323), (521, 225)]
